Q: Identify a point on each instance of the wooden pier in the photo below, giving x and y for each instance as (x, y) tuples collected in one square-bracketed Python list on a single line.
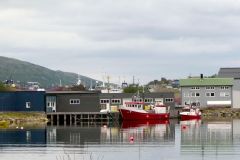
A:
[(75, 118)]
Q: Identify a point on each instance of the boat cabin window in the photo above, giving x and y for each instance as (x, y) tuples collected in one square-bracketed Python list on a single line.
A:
[(134, 105), (138, 100)]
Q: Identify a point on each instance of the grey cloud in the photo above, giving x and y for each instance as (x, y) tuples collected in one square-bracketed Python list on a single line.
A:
[(120, 37)]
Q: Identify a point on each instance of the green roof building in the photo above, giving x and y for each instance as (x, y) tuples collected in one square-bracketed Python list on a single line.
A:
[(205, 92)]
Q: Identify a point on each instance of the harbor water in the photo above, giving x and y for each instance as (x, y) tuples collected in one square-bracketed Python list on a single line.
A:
[(196, 139)]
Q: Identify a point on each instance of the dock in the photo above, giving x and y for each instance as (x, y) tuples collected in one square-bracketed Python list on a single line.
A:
[(76, 118)]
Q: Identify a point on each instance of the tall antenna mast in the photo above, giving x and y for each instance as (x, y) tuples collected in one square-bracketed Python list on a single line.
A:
[(108, 86), (79, 80)]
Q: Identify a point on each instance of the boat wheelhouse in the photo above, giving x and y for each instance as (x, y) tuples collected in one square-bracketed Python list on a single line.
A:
[(138, 110)]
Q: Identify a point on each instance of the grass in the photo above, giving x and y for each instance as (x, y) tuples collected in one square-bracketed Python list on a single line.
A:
[(4, 124), (15, 118)]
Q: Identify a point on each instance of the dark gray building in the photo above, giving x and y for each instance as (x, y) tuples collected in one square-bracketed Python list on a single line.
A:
[(111, 101), (86, 101), (235, 74), (72, 101)]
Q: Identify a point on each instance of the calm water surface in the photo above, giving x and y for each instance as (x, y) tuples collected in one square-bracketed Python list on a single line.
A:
[(126, 141)]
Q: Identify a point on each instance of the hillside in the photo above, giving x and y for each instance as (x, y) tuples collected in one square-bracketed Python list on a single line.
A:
[(24, 72)]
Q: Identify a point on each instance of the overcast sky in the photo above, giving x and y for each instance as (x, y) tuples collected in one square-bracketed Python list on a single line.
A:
[(148, 39)]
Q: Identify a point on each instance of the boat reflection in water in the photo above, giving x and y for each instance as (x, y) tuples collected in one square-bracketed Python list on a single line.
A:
[(146, 123), (209, 138), (147, 131), (190, 124)]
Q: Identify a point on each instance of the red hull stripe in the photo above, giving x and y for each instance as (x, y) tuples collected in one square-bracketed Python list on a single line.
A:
[(132, 115), (189, 117)]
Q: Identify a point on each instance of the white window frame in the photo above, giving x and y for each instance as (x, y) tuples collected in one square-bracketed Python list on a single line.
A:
[(194, 94), (210, 88), (224, 94), (186, 95), (148, 100), (224, 87), (169, 100), (28, 104), (104, 101), (210, 94), (195, 88), (138, 100), (74, 101), (116, 101)]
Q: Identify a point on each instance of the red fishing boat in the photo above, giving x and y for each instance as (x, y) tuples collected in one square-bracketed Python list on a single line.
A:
[(138, 110), (189, 113)]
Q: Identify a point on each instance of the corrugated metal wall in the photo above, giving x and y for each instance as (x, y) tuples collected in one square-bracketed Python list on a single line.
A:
[(16, 101), (7, 101)]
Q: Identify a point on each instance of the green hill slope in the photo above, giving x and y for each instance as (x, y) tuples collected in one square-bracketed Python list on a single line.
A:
[(27, 72)]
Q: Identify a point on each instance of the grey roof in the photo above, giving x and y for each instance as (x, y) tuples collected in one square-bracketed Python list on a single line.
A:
[(229, 73), (129, 95), (69, 92)]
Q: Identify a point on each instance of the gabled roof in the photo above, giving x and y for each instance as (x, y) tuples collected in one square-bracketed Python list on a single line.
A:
[(229, 73), (206, 82)]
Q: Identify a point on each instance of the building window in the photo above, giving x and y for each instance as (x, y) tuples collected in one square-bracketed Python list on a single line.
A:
[(195, 94), (28, 104), (74, 101), (210, 94), (195, 88), (224, 87), (116, 101), (104, 101), (148, 100), (186, 94), (138, 100), (224, 94), (168, 100), (210, 88)]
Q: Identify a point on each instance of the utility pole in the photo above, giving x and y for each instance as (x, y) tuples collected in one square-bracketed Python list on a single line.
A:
[(133, 80), (108, 86)]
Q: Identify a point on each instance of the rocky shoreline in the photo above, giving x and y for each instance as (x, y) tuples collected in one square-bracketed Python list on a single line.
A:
[(220, 112), (12, 119)]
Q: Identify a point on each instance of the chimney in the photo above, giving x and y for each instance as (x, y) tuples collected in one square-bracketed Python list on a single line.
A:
[(201, 76)]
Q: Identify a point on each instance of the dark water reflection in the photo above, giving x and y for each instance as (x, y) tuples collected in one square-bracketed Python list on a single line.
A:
[(172, 139)]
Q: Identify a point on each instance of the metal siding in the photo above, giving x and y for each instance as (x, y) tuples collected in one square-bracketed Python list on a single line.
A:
[(236, 93), (154, 95), (88, 103), (229, 73), (7, 101), (36, 99), (203, 98)]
